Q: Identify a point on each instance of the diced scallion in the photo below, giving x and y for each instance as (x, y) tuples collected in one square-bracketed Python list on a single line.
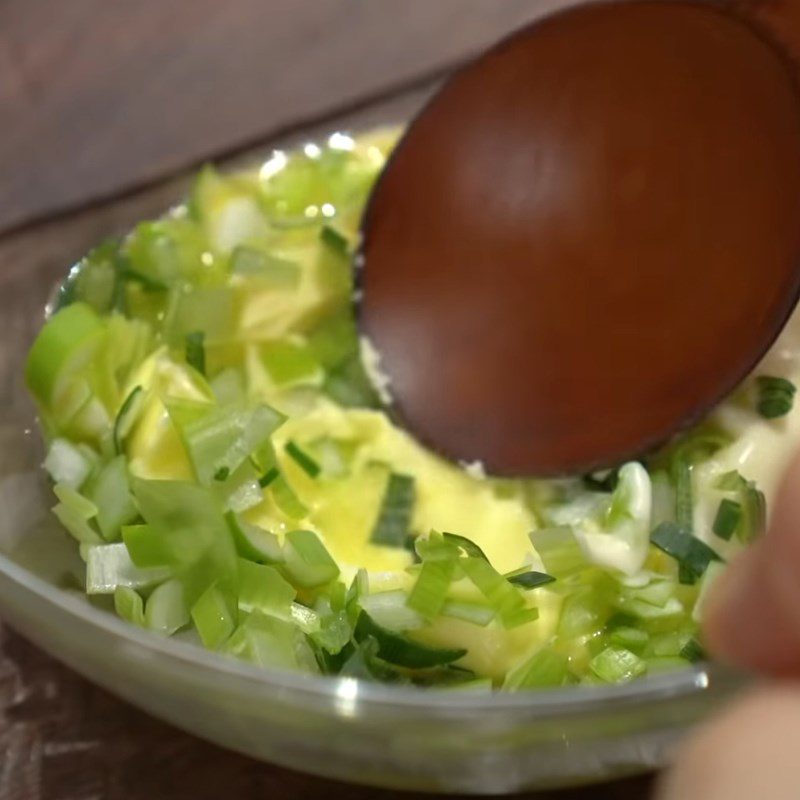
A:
[(530, 579), (560, 551), (214, 616), (397, 508), (196, 351), (334, 239), (302, 459), (684, 506), (617, 665), (126, 416), (308, 560), (399, 650), (775, 396), (728, 518), (430, 590), (691, 553)]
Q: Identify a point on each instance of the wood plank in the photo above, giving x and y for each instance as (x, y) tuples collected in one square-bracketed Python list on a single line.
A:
[(64, 739), (100, 95)]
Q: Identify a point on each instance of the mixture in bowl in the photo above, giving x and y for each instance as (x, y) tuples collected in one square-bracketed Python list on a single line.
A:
[(223, 452)]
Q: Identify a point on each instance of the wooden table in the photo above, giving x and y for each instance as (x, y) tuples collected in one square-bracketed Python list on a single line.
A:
[(105, 108)]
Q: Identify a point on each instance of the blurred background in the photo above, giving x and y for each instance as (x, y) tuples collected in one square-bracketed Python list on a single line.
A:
[(99, 97)]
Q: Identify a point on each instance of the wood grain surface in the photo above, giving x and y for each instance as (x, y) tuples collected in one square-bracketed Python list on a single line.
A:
[(101, 95)]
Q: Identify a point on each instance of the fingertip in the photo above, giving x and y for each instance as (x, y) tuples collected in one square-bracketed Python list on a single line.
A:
[(748, 751), (752, 616)]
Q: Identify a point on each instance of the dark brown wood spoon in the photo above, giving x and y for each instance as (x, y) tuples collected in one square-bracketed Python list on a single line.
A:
[(588, 237)]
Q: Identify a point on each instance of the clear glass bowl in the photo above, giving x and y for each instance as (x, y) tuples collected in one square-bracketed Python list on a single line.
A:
[(435, 740)]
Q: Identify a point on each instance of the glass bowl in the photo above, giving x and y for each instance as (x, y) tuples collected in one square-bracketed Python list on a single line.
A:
[(422, 739)]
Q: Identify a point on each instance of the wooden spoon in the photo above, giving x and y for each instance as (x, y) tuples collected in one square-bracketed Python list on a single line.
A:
[(588, 237)]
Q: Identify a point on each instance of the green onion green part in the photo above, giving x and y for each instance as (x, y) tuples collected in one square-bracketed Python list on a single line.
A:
[(302, 459), (727, 519), (399, 650), (196, 351), (397, 508), (692, 555), (530, 579), (775, 396)]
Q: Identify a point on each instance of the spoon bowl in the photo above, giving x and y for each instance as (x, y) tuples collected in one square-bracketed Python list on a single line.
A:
[(588, 237)]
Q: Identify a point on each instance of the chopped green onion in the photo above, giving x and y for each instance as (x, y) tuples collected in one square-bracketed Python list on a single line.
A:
[(109, 566), (350, 386), (656, 592), (129, 605), (334, 633), (291, 363), (110, 491), (560, 550), (775, 396), (754, 516), (268, 477), (146, 547), (474, 613), (210, 310), (506, 600), (434, 547), (262, 588), (306, 619), (126, 416), (81, 505), (544, 668), (752, 501), (728, 518), (254, 543), (399, 650), (689, 551), (583, 612), (629, 638), (362, 662), (189, 520), (67, 464), (286, 499), (467, 545), (214, 616), (228, 386), (617, 665), (430, 590), (269, 642), (165, 611), (149, 284), (692, 651), (76, 524), (217, 437), (529, 579), (390, 610), (266, 268), (66, 342), (308, 561), (684, 505), (334, 239), (302, 459), (397, 508), (196, 351)]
